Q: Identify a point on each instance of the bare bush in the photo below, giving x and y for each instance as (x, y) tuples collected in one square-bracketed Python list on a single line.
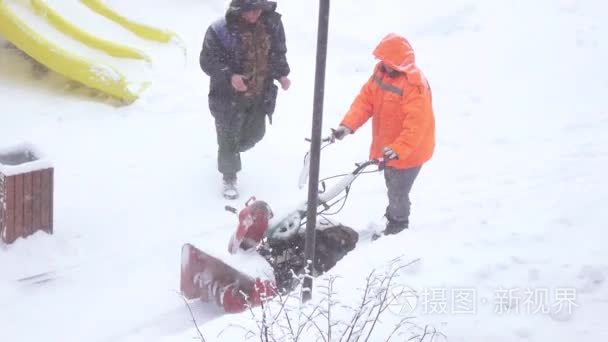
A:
[(284, 318)]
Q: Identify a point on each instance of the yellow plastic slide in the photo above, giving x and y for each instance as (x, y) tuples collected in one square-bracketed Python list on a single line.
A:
[(141, 30), (44, 34)]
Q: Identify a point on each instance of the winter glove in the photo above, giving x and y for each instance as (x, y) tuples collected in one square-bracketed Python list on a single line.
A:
[(340, 132), (389, 153)]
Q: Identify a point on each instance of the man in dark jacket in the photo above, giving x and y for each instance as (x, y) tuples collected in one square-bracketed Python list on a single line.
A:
[(243, 53)]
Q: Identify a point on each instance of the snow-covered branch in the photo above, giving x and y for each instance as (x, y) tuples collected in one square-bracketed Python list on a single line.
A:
[(331, 315)]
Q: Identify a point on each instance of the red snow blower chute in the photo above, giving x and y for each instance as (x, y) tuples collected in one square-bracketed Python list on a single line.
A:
[(253, 225)]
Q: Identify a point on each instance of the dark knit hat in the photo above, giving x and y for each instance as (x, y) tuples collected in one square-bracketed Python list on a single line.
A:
[(248, 5)]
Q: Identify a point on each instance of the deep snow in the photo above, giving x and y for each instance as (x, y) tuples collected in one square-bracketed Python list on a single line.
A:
[(511, 206)]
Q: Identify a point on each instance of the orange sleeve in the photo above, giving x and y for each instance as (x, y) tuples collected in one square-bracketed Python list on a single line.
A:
[(361, 109), (419, 115)]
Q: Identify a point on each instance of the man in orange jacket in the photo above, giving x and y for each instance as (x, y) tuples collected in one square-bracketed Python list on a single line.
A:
[(398, 99)]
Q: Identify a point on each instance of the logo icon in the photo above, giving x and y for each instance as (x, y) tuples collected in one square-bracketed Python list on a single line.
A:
[(403, 300)]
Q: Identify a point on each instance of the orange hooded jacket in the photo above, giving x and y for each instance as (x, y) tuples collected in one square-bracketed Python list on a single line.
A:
[(400, 107)]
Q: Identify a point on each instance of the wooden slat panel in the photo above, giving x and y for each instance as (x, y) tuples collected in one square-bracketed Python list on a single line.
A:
[(10, 210), (11, 236), (18, 209), (27, 205), (37, 201), (46, 198), (28, 202), (51, 200), (2, 207)]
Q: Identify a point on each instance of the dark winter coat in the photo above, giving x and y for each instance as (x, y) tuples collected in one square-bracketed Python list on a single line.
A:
[(221, 57)]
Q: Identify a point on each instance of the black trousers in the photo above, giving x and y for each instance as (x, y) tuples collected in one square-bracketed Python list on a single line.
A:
[(238, 131)]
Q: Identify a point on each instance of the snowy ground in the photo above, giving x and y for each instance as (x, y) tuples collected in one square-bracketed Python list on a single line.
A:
[(509, 210)]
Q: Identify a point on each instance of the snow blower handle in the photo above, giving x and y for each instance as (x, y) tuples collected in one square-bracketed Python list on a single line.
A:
[(292, 223), (348, 179), (329, 139), (303, 179)]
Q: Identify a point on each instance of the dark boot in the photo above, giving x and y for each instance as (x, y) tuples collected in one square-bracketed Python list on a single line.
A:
[(395, 227), (229, 177)]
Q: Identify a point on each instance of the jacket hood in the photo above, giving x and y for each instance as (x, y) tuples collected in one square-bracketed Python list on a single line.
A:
[(396, 52), (239, 6)]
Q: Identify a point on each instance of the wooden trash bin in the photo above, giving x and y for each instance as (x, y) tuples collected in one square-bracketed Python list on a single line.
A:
[(26, 193)]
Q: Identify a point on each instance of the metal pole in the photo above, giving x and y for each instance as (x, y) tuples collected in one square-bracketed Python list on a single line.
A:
[(315, 148)]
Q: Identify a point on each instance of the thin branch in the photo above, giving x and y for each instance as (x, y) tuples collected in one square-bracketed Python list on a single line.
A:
[(200, 334), (320, 331), (383, 304), (264, 308), (248, 332), (421, 337), (309, 318), (290, 327), (329, 293), (358, 312), (250, 308), (283, 301), (398, 326)]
